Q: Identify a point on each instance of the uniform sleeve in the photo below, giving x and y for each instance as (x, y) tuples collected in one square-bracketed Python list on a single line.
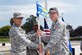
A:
[(22, 39), (45, 37), (31, 36), (56, 36)]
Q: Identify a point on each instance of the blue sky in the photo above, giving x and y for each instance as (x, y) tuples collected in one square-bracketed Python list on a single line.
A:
[(72, 10)]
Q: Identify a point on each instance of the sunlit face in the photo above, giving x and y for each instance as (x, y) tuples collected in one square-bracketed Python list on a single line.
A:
[(17, 21), (53, 16)]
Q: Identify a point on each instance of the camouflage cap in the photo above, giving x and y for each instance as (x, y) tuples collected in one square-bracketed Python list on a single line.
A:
[(17, 15), (53, 9), (35, 23)]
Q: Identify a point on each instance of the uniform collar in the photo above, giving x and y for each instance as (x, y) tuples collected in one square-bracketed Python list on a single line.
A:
[(16, 25), (55, 22)]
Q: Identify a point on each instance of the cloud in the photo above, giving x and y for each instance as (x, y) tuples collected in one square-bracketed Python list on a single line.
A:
[(28, 7), (24, 9), (16, 2), (1, 18), (63, 7), (31, 8), (7, 11)]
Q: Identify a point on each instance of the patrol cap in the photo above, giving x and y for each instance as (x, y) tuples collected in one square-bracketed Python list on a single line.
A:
[(53, 9), (35, 23), (17, 15)]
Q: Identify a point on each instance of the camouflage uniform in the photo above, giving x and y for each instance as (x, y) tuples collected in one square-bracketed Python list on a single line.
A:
[(19, 40), (58, 44), (32, 51)]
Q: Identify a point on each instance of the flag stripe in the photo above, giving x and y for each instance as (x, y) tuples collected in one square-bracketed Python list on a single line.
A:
[(47, 30)]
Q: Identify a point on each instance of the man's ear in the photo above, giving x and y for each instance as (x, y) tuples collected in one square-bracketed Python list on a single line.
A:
[(14, 20)]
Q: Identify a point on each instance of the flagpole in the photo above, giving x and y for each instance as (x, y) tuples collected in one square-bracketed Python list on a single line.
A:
[(40, 43), (46, 4), (62, 14), (45, 7), (47, 50)]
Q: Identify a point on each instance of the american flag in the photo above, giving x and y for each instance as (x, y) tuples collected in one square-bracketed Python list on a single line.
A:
[(47, 32), (46, 28)]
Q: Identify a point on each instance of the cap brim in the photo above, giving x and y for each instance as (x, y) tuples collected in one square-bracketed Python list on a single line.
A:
[(19, 17), (51, 11), (35, 24)]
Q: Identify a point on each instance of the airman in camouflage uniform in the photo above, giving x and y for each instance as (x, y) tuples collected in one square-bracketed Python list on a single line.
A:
[(19, 40), (32, 51), (58, 44)]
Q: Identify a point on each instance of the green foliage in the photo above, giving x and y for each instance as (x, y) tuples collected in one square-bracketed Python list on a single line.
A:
[(76, 32), (28, 26), (3, 39), (76, 38), (4, 30), (70, 54), (0, 30)]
